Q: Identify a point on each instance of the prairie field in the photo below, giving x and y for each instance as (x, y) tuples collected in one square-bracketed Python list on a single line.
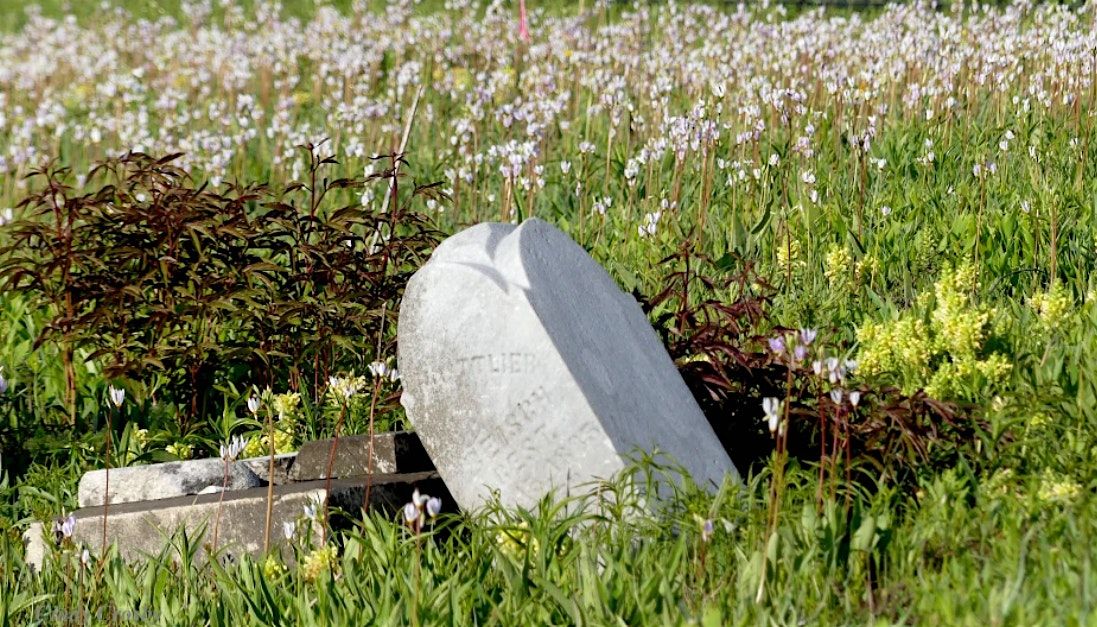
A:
[(867, 239)]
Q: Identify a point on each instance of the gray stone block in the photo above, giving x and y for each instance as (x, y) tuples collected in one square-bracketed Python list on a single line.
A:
[(142, 529), (261, 467), (162, 481), (526, 368), (397, 452)]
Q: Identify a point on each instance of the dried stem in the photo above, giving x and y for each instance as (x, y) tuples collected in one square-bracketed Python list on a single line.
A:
[(331, 465), (270, 482), (369, 462), (396, 165), (220, 504), (106, 483)]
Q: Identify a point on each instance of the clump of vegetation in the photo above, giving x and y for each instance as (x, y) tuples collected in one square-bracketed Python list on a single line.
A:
[(183, 291), (944, 345), (734, 357), (594, 559)]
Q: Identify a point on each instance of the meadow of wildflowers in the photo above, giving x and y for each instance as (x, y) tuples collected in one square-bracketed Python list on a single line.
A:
[(916, 184)]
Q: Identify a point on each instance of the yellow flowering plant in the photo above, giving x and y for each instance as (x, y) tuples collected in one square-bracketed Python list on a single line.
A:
[(1052, 307), (941, 345), (789, 257), (180, 450), (798, 385), (514, 540), (317, 562), (285, 408), (273, 568), (1057, 489), (259, 445), (838, 269)]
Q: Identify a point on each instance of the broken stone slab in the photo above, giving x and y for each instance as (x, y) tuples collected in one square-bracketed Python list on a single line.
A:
[(162, 481), (396, 452), (526, 369), (282, 464), (143, 529)]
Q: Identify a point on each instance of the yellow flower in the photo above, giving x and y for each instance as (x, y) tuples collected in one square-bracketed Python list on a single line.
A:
[(961, 325), (180, 450), (141, 438), (1000, 484), (273, 568), (837, 268), (301, 98), (461, 78), (286, 405), (788, 260), (1053, 306), (78, 95), (513, 541), (925, 253), (866, 268), (1038, 420), (902, 347), (318, 562), (942, 355), (260, 446), (994, 369), (1056, 488)]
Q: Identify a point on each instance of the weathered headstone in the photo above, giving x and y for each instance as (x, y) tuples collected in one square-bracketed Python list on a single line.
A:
[(526, 368)]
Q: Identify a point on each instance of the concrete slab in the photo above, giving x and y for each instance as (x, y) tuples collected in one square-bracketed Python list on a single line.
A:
[(143, 529), (162, 481)]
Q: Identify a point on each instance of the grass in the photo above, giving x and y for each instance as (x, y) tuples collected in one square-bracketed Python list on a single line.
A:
[(849, 238), (959, 554)]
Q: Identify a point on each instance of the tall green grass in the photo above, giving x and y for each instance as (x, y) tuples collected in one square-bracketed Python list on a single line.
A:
[(964, 551)]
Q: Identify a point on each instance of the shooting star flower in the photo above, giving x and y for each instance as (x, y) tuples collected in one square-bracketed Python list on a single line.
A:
[(117, 396), (772, 408)]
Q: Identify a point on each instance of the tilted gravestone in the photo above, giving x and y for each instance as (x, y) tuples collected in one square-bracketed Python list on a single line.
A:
[(526, 369)]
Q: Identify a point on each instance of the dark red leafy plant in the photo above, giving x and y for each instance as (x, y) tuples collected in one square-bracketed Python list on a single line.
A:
[(182, 287), (713, 317)]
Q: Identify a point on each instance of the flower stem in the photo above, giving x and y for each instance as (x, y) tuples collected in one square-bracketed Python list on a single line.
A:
[(778, 485), (106, 483), (327, 474), (270, 483), (220, 503), (369, 462)]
